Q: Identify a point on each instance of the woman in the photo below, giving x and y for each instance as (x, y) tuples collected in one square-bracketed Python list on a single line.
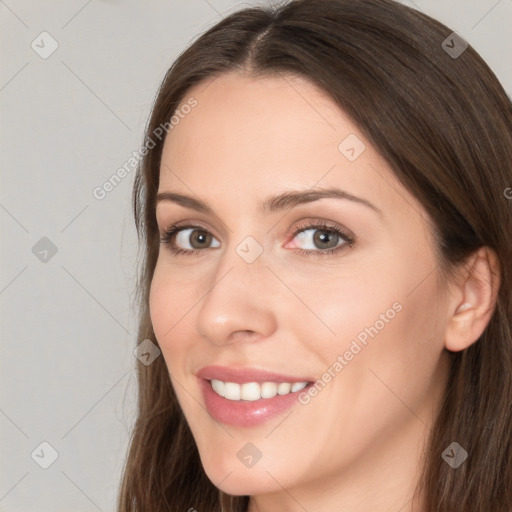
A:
[(326, 229)]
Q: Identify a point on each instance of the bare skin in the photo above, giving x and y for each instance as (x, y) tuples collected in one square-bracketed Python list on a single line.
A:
[(357, 444)]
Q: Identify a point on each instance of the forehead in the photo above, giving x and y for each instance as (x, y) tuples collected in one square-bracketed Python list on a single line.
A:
[(248, 138), (255, 126)]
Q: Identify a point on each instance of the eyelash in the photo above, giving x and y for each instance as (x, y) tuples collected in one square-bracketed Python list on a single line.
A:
[(348, 238)]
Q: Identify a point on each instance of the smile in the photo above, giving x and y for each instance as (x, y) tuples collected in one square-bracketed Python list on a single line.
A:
[(247, 397), (252, 391)]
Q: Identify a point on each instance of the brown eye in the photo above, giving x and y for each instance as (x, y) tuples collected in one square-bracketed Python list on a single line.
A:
[(197, 238), (323, 239), (188, 239)]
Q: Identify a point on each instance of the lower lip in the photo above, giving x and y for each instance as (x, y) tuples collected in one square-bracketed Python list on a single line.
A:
[(245, 413)]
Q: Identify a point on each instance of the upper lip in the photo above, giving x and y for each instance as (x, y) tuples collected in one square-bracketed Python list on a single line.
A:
[(242, 375)]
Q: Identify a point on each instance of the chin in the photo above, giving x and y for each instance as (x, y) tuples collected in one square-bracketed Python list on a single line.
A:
[(232, 478)]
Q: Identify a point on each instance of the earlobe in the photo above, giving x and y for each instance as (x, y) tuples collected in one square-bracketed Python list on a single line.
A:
[(476, 300)]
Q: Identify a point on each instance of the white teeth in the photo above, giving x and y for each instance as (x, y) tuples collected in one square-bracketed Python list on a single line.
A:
[(251, 391), (268, 390), (231, 391), (218, 387), (284, 388), (297, 386)]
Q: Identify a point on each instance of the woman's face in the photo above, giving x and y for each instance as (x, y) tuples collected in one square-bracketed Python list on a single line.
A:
[(365, 322)]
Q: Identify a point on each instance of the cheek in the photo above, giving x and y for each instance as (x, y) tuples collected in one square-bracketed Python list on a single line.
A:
[(168, 313), (359, 304), (389, 302), (398, 367), (384, 324), (159, 302)]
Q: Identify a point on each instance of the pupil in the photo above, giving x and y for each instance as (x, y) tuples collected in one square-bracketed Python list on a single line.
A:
[(323, 237), (200, 237)]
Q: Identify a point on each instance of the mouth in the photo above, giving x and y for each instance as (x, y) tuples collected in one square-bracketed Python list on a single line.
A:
[(245, 397), (252, 391)]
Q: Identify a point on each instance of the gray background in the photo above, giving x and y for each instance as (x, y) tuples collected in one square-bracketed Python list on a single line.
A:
[(68, 122)]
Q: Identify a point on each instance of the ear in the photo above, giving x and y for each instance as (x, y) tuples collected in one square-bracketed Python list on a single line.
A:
[(474, 300)]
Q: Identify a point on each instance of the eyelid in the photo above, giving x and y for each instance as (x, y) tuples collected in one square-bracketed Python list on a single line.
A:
[(186, 224), (311, 223), (302, 224)]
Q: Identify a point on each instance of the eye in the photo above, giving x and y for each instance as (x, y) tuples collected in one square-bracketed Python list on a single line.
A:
[(191, 240), (195, 236), (324, 237)]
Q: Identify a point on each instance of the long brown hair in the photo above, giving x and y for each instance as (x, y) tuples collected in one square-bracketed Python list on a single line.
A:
[(443, 124)]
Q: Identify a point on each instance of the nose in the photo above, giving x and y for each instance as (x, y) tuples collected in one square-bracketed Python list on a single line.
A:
[(238, 305)]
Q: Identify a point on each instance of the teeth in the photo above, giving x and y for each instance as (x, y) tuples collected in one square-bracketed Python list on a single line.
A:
[(297, 386), (251, 391), (268, 390), (218, 387), (232, 391), (284, 388)]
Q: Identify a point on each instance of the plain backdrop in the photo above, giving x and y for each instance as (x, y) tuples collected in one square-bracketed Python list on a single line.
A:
[(69, 119)]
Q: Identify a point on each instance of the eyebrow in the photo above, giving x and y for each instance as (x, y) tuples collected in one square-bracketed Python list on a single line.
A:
[(274, 203)]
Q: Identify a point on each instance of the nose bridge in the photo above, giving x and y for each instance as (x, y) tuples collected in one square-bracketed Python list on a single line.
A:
[(238, 297)]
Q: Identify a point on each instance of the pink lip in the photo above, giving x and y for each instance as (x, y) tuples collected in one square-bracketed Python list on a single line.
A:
[(245, 413), (241, 375)]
